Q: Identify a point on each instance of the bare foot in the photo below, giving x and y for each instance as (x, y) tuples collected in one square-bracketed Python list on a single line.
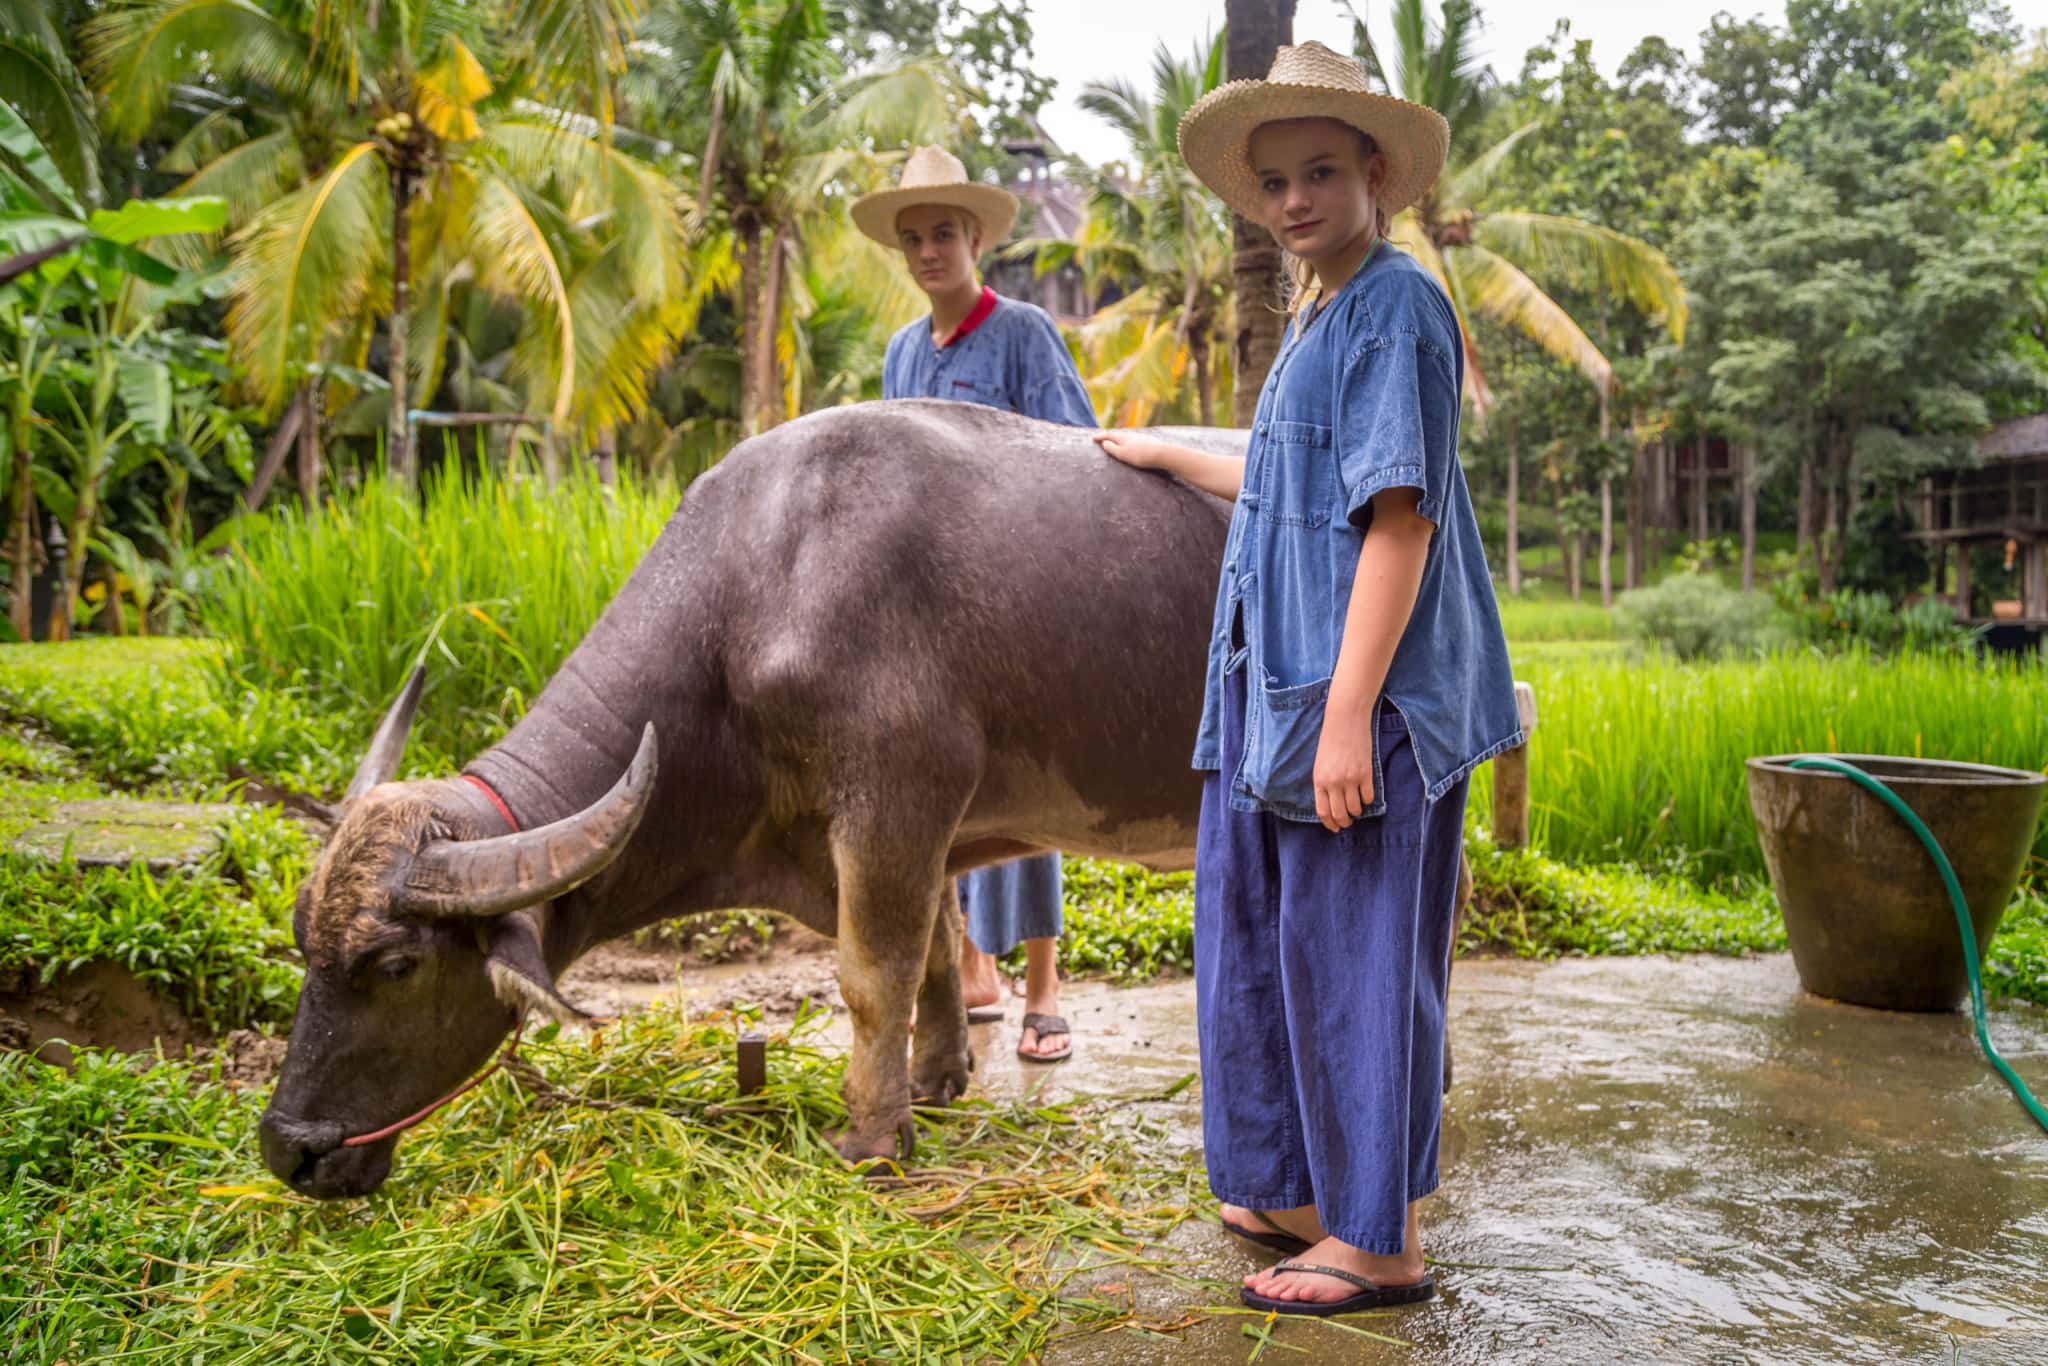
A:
[(980, 985), (1404, 1268)]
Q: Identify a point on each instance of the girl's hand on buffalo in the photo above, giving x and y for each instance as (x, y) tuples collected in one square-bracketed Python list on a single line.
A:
[(1343, 773), (1133, 448)]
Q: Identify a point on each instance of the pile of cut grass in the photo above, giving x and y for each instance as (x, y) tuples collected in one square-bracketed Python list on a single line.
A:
[(630, 1208)]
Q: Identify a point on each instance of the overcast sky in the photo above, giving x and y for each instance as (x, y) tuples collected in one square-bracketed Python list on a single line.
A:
[(1084, 40)]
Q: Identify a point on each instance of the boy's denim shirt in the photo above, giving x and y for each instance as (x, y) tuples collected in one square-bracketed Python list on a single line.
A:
[(1365, 400), (1015, 359)]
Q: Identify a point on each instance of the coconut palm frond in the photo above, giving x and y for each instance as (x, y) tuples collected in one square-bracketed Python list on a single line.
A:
[(507, 230), (319, 254), (250, 177), (1631, 268), (1488, 283), (579, 46), (135, 50), (44, 87), (916, 101), (1469, 184)]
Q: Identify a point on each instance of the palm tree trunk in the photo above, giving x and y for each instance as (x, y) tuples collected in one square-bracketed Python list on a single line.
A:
[(1513, 554), (1808, 495), (309, 447), (1638, 489), (1257, 29), (774, 264), (1205, 383), (1747, 474), (398, 439), (1699, 489), (23, 534), (748, 226), (1606, 510), (1575, 562)]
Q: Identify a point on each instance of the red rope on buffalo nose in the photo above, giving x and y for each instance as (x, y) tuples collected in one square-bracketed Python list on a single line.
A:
[(479, 1079)]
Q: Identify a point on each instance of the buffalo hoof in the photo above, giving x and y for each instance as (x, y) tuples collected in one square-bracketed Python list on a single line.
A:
[(877, 1149), (942, 1081)]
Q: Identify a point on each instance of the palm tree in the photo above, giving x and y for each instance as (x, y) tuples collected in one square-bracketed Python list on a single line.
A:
[(1487, 259), (1255, 30), (449, 165), (1161, 238), (783, 127), (44, 87)]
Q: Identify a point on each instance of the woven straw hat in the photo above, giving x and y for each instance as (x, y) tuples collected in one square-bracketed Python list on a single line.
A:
[(934, 175), (1309, 81)]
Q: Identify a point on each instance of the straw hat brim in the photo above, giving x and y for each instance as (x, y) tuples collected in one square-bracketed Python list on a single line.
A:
[(1215, 137), (995, 209)]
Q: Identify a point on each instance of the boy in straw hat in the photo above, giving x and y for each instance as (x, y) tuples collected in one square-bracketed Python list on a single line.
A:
[(1356, 675), (978, 347)]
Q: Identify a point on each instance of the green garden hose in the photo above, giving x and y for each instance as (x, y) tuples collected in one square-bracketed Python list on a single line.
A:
[(1962, 910)]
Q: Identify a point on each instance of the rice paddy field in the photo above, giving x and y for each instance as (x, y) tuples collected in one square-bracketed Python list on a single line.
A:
[(612, 1200)]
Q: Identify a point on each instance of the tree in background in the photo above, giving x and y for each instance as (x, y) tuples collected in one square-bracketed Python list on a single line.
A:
[(1254, 33), (1157, 234), (1488, 256), (450, 160)]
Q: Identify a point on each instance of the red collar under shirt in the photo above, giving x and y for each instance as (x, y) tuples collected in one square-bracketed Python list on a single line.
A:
[(975, 317)]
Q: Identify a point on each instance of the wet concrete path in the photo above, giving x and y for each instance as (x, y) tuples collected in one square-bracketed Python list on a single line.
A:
[(1663, 1159), (1644, 1159)]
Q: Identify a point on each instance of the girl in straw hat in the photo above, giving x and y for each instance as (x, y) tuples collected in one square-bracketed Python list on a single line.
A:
[(1356, 675), (981, 348)]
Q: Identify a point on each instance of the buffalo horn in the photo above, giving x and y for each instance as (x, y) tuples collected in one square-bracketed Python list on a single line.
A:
[(387, 746), (492, 876)]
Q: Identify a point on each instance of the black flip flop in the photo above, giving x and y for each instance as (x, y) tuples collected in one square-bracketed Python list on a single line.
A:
[(984, 1014), (1046, 1024), (1369, 1296), (1272, 1237)]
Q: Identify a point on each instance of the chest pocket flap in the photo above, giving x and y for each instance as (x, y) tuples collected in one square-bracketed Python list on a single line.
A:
[(1300, 486)]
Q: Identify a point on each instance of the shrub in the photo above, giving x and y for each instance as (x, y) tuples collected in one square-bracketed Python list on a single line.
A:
[(1695, 616)]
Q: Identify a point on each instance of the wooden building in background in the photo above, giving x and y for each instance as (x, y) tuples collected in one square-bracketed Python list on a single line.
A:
[(2002, 502)]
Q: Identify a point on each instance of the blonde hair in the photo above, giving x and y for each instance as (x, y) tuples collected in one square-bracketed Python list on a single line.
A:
[(1300, 273)]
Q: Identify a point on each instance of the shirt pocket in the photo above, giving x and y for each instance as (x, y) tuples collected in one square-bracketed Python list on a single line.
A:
[(986, 390), (1301, 476)]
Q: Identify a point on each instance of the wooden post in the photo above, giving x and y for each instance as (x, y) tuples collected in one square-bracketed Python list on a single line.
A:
[(751, 1059), (1963, 579), (1511, 779), (2034, 581)]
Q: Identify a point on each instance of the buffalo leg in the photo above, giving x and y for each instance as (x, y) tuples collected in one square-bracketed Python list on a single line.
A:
[(940, 1059), (889, 892)]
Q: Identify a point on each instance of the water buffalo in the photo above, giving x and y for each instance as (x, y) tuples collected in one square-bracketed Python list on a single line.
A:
[(874, 647)]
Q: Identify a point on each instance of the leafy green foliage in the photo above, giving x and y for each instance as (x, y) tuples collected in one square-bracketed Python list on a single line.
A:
[(214, 939), (1125, 922)]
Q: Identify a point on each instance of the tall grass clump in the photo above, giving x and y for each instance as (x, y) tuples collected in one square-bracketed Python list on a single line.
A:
[(1641, 761), (502, 575)]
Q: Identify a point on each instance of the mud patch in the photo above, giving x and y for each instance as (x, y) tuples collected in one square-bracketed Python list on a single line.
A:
[(797, 965), (249, 1058), (101, 1005)]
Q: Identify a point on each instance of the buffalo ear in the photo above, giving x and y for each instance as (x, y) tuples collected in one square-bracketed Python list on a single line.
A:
[(519, 970)]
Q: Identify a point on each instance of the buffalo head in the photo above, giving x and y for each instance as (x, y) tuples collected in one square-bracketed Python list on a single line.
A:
[(423, 928)]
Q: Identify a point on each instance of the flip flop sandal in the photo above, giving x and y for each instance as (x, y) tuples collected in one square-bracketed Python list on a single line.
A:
[(1272, 1236), (984, 1014), (1369, 1296), (1046, 1024)]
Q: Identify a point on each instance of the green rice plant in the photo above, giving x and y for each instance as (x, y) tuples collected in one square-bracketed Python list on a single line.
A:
[(492, 578), (611, 1199), (1641, 761), (1527, 620)]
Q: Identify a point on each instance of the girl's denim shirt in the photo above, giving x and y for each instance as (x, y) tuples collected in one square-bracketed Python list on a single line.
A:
[(1013, 359), (1366, 399)]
